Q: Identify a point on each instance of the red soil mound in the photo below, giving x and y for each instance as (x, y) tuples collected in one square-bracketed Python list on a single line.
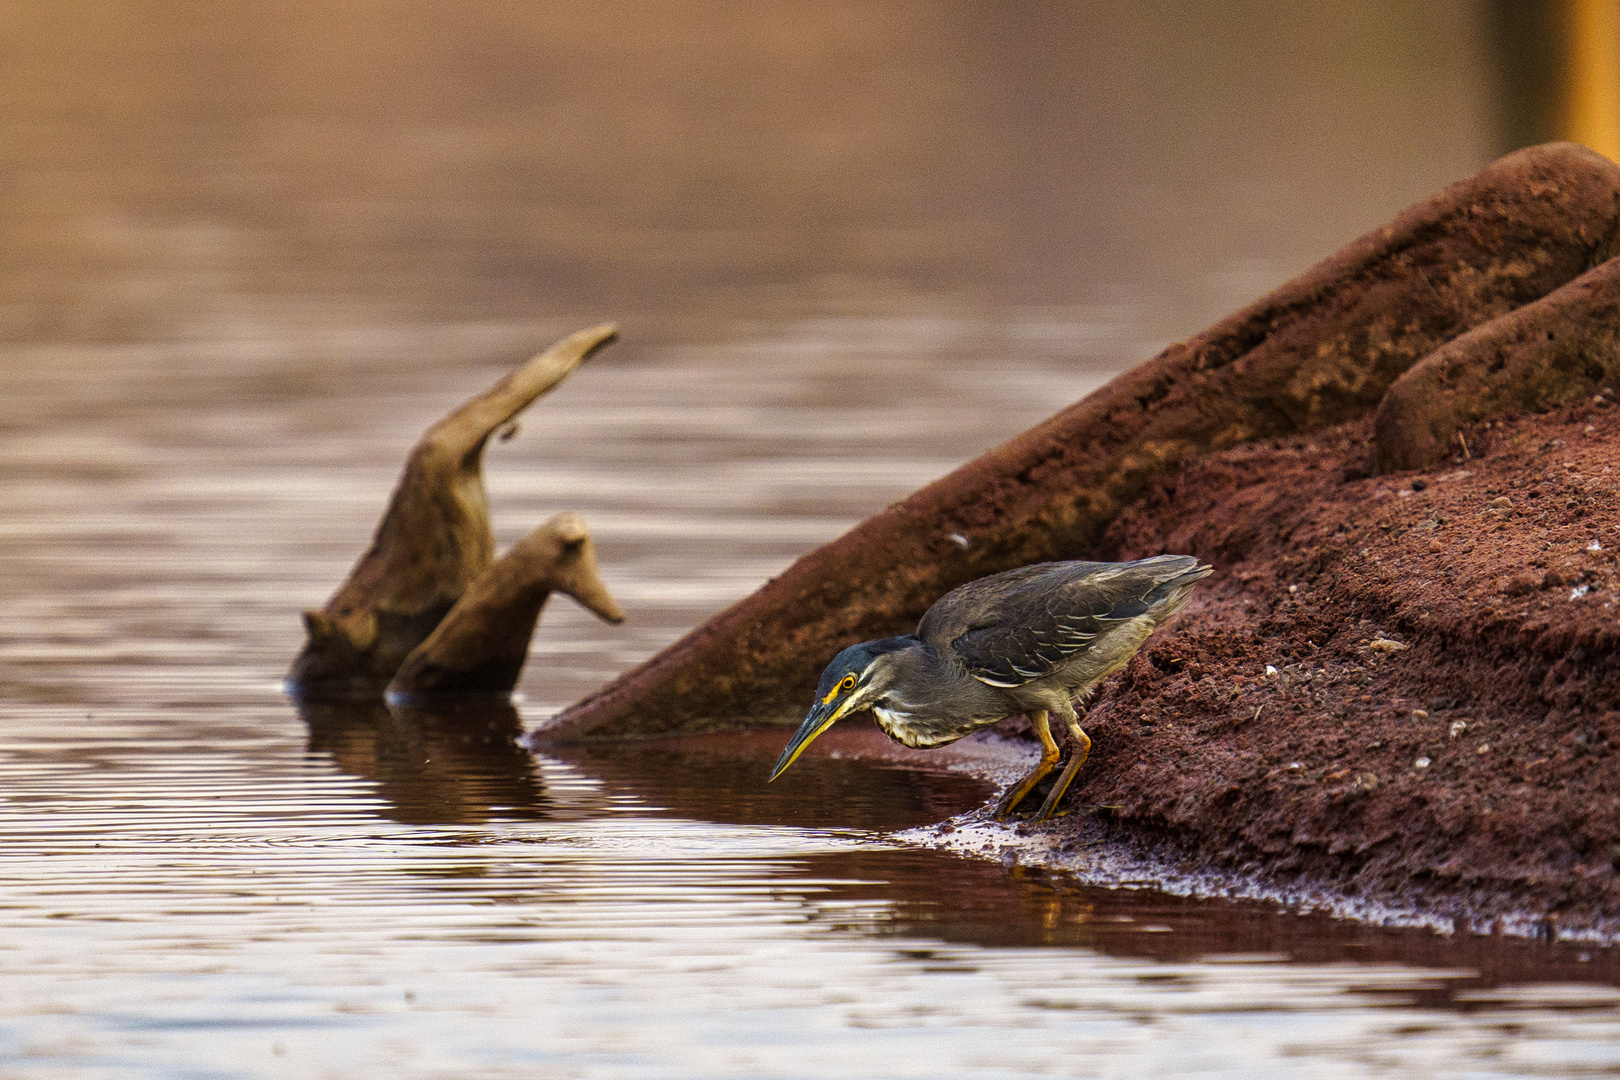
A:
[(1405, 687)]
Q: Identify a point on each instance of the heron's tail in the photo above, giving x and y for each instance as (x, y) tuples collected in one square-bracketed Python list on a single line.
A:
[(1173, 590)]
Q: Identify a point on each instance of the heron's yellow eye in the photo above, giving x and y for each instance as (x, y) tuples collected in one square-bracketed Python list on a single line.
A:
[(848, 683)]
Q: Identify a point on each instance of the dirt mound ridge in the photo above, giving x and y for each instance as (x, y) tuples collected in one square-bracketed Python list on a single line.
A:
[(1405, 688)]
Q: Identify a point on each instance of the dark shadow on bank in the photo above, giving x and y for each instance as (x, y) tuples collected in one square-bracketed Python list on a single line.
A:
[(923, 899), (462, 764)]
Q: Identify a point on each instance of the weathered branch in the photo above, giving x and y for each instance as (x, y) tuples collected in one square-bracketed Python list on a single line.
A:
[(432, 542)]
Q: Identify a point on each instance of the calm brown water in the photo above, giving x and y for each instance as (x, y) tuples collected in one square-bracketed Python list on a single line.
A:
[(248, 251)]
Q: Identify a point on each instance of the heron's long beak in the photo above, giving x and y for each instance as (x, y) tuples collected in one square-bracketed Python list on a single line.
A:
[(820, 719)]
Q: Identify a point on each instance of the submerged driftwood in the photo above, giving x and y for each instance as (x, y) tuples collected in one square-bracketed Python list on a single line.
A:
[(1319, 351), (480, 646), (432, 544)]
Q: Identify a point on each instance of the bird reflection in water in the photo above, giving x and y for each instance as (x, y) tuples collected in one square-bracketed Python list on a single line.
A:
[(712, 777), (456, 765)]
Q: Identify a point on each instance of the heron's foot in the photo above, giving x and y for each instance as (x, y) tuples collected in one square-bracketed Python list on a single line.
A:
[(1082, 751), (1015, 794), (1049, 760)]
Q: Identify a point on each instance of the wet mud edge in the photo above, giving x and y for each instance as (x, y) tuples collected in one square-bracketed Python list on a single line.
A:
[(1398, 701)]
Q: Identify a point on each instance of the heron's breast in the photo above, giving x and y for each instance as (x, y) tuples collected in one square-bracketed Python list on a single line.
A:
[(924, 733)]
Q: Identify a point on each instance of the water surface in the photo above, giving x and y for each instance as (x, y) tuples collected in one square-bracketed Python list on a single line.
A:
[(246, 258)]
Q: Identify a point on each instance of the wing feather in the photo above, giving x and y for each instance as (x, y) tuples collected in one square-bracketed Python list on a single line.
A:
[(1013, 628)]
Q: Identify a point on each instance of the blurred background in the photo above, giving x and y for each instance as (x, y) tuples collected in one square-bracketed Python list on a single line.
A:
[(254, 173)]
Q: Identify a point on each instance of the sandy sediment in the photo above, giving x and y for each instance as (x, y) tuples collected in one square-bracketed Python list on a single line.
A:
[(1563, 346), (1399, 699)]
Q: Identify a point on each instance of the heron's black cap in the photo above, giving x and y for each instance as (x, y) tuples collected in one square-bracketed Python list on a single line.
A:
[(858, 658)]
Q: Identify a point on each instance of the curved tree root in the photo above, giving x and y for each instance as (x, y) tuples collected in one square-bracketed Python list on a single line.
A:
[(434, 539), (1320, 350)]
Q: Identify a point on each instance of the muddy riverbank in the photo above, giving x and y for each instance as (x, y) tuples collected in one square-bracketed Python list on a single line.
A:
[(1400, 688), (1399, 698)]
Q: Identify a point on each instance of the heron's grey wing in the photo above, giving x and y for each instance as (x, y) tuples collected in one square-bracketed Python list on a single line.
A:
[(1013, 628), (985, 602)]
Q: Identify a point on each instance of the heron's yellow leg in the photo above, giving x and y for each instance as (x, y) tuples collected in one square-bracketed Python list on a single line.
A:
[(1082, 750), (1049, 759)]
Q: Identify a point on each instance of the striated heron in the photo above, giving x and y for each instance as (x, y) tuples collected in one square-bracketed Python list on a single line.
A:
[(1034, 640)]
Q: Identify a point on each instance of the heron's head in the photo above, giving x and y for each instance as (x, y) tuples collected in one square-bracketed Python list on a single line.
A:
[(858, 678)]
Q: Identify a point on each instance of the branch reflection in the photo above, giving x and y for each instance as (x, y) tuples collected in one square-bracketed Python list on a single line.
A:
[(722, 777), (458, 765)]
